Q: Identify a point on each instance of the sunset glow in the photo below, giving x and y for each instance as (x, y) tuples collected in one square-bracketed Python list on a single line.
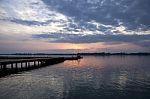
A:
[(49, 25)]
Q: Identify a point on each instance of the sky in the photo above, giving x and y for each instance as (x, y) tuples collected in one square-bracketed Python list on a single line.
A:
[(65, 26)]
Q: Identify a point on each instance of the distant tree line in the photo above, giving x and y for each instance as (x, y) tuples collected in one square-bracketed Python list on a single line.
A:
[(99, 53), (120, 53)]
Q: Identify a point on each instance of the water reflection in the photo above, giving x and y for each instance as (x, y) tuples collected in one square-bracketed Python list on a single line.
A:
[(113, 77)]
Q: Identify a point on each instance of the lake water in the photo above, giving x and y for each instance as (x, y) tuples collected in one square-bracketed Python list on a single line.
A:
[(93, 77)]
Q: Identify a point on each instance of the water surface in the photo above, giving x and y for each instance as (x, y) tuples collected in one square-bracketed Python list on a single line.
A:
[(93, 77)]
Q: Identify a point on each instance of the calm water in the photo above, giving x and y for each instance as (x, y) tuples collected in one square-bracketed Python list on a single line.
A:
[(93, 77)]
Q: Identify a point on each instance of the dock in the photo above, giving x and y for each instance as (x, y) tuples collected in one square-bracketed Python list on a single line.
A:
[(11, 65)]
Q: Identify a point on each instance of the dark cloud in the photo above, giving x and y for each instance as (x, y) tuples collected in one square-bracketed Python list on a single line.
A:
[(142, 40), (30, 23), (133, 14)]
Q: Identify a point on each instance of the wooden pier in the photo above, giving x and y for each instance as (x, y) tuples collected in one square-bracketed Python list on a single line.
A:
[(11, 66)]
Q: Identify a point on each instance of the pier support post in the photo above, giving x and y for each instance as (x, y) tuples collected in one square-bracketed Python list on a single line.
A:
[(4, 67), (34, 63), (12, 67), (0, 67), (21, 65), (41, 63), (16, 66), (26, 65), (38, 63)]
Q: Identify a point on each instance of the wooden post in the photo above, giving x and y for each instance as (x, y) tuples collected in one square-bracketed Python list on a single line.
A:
[(4, 67), (42, 63), (29, 64), (21, 65), (1, 66), (16, 66), (34, 63), (38, 63), (26, 65), (12, 66)]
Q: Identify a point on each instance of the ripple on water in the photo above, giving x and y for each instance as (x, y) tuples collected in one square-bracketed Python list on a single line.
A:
[(111, 77)]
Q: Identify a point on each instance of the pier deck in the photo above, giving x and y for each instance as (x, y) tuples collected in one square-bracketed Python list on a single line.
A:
[(10, 66)]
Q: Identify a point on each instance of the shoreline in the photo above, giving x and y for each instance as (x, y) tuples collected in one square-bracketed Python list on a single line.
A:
[(73, 54)]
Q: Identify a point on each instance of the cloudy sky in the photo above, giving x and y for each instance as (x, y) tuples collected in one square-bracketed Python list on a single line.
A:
[(54, 26)]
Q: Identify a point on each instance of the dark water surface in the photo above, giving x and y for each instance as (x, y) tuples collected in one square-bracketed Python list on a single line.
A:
[(93, 77)]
